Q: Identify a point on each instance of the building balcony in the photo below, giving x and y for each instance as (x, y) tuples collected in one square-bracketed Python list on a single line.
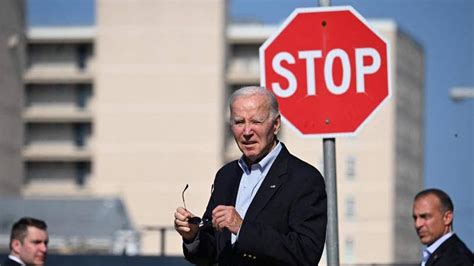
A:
[(242, 78), (55, 34), (57, 115), (249, 33), (56, 153), (243, 71), (50, 75)]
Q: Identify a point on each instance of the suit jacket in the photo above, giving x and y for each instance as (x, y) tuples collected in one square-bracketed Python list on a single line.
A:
[(284, 225), (9, 262), (452, 252)]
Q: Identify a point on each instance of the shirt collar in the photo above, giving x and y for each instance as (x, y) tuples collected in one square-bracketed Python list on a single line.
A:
[(15, 258), (265, 162), (438, 242)]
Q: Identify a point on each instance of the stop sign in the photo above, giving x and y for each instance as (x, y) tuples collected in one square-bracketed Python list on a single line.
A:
[(328, 69)]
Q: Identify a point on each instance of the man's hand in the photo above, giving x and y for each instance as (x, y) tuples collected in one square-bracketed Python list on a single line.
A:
[(226, 217), (186, 230)]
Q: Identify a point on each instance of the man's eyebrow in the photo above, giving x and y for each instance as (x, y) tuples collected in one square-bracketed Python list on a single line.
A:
[(424, 214)]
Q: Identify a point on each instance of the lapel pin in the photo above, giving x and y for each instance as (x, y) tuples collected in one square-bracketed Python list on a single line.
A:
[(273, 186)]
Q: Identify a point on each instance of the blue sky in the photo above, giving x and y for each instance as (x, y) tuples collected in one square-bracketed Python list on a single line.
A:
[(445, 28)]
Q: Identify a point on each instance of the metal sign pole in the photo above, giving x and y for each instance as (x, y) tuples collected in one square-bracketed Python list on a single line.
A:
[(329, 151), (332, 235)]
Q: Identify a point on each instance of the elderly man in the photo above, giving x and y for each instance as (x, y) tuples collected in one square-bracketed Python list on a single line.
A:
[(268, 207), (28, 243), (433, 216)]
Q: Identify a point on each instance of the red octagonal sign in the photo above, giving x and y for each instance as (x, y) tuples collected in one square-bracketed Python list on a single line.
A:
[(328, 69)]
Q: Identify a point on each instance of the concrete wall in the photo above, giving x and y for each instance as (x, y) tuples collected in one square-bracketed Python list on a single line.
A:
[(11, 95)]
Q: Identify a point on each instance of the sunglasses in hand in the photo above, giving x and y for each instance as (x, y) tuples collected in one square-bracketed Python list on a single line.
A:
[(195, 219)]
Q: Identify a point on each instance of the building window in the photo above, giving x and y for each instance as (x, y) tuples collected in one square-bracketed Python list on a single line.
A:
[(83, 95), (350, 208), (82, 131), (82, 55), (350, 167), (83, 170), (349, 249)]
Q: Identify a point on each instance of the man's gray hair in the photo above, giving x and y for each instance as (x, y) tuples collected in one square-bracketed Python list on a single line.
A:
[(255, 90)]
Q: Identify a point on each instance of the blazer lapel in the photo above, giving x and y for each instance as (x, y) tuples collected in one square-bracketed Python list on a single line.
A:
[(270, 185), (234, 184), (230, 199), (439, 252), (433, 258)]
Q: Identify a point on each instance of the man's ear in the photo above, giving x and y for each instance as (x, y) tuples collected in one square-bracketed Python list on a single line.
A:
[(277, 124), (448, 218), (16, 245)]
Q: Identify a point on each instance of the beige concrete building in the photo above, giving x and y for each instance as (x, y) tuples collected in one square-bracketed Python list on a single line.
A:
[(135, 109), (158, 119), (12, 61)]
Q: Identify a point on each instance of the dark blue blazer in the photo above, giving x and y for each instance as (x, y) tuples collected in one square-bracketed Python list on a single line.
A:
[(284, 225), (453, 252)]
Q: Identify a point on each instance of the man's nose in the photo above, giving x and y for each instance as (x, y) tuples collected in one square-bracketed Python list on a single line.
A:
[(418, 223), (44, 247), (248, 129)]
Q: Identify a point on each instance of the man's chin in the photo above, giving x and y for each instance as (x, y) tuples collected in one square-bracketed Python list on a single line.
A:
[(248, 151), (424, 240), (40, 261)]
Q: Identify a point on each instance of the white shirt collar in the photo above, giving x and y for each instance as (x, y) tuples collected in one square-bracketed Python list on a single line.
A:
[(15, 258), (438, 242), (265, 162)]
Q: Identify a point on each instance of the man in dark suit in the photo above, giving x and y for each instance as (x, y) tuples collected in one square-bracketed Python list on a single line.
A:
[(28, 243), (433, 216), (269, 207)]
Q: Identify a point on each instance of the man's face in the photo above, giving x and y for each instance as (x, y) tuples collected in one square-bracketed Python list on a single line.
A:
[(253, 126), (34, 247), (430, 222)]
